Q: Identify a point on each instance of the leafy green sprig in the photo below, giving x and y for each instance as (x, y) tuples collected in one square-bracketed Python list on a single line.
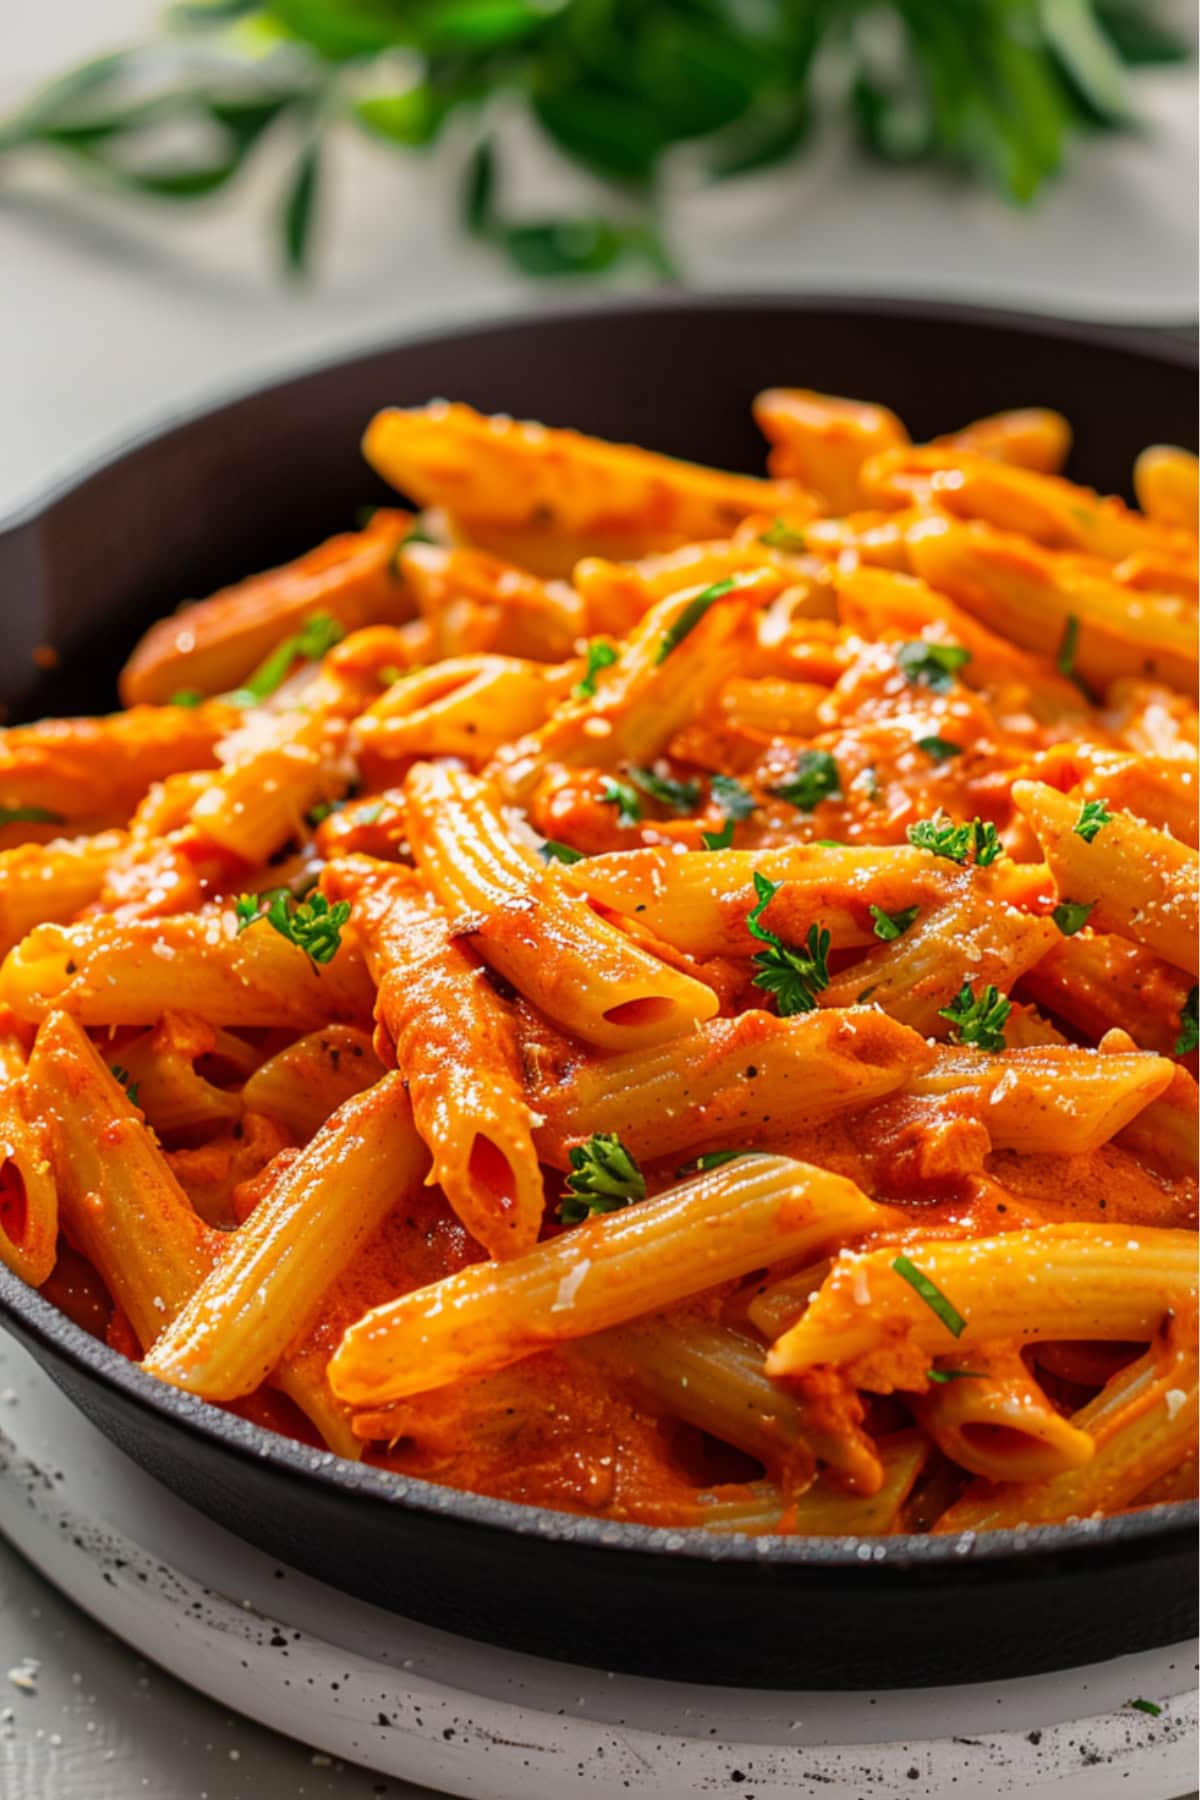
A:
[(998, 88), (604, 1176), (794, 976), (312, 925)]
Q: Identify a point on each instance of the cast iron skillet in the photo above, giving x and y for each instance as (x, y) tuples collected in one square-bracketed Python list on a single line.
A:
[(261, 478)]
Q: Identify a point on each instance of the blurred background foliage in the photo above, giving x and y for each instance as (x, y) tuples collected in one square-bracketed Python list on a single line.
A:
[(995, 88)]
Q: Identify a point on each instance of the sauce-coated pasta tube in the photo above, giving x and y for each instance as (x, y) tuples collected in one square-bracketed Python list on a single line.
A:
[(822, 441), (1056, 1281), (699, 903), (1051, 1098), (669, 671), (581, 971), (119, 1201), (989, 1415), (465, 706), (304, 1083), (28, 1194), (973, 937), (1141, 882), (1142, 1424), (128, 972), (748, 1080), (713, 1378), (49, 883), (301, 1235), (213, 644), (454, 1040), (757, 1210), (826, 1509)]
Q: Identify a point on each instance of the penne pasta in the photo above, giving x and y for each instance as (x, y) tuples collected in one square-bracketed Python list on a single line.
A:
[(1138, 881), (1059, 1281), (269, 1282), (442, 1024), (539, 935), (613, 1269)]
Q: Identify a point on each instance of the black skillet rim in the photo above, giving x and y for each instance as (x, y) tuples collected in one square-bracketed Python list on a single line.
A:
[(42, 1326)]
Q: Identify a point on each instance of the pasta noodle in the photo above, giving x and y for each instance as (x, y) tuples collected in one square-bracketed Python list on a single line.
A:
[(659, 992)]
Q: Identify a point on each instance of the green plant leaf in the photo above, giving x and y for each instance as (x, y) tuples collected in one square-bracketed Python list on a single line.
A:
[(300, 205)]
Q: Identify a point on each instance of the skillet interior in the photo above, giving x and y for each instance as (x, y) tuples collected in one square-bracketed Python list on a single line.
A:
[(263, 477)]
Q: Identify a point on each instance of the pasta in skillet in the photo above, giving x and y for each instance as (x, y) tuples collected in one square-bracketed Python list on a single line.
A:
[(644, 991)]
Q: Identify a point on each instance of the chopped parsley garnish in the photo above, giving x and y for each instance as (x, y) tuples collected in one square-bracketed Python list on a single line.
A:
[(315, 638), (1064, 661), (944, 1375), (390, 674), (932, 1295), (553, 851), (781, 537), (603, 1178), (815, 778), (369, 815), (1072, 915), (127, 1082), (1093, 817), (1146, 1706), (679, 796), (978, 1021), (890, 926), (312, 925), (624, 798), (794, 976), (599, 656), (712, 1159), (735, 802), (690, 615), (417, 534), (316, 815), (29, 815), (718, 840), (930, 664), (956, 842), (941, 749), (1189, 1030), (732, 796), (186, 697)]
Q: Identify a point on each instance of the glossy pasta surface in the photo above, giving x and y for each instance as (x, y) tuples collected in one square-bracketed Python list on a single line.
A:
[(645, 991)]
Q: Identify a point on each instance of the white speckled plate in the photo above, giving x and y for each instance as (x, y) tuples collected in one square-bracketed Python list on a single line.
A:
[(411, 1701)]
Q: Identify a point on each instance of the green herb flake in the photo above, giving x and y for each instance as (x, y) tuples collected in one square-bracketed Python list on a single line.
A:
[(1189, 1029), (932, 1295), (29, 815), (890, 926), (188, 697), (603, 1178), (1093, 817), (942, 1376), (1064, 662), (1072, 915), (314, 640), (624, 798), (719, 840), (690, 615), (941, 749), (553, 851), (712, 1159), (943, 837), (1146, 1706), (978, 1021), (732, 797), (600, 655), (312, 925), (678, 796), (794, 976), (127, 1082), (779, 536), (930, 664), (814, 779)]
